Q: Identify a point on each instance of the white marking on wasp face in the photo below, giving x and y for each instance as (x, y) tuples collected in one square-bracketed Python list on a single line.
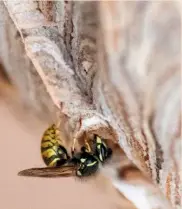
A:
[(99, 140), (100, 157), (99, 146), (82, 160), (91, 164), (79, 173)]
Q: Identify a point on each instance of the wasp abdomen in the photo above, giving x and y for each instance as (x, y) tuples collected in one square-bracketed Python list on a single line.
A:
[(53, 152)]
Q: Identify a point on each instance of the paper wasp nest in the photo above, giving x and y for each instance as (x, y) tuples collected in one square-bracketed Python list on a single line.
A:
[(114, 64)]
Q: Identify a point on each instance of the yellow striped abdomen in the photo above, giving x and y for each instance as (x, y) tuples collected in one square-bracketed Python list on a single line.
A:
[(52, 151)]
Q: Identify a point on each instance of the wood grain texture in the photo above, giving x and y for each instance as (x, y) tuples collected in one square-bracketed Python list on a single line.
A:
[(141, 65), (117, 66)]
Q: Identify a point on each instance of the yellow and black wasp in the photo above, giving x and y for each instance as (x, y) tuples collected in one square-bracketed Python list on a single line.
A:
[(60, 164)]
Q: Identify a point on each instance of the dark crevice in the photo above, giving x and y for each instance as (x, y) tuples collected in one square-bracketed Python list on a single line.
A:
[(3, 74), (159, 152), (68, 24)]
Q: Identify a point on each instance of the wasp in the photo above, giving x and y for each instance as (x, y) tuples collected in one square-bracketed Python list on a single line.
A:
[(60, 164)]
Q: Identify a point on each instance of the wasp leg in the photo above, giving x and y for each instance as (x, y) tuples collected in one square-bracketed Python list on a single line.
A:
[(87, 146), (75, 139), (73, 147)]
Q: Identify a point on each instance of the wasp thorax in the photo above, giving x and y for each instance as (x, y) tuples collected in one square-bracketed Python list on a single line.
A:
[(87, 164), (95, 152)]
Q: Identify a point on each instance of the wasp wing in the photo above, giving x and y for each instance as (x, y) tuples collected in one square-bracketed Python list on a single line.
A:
[(49, 172)]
